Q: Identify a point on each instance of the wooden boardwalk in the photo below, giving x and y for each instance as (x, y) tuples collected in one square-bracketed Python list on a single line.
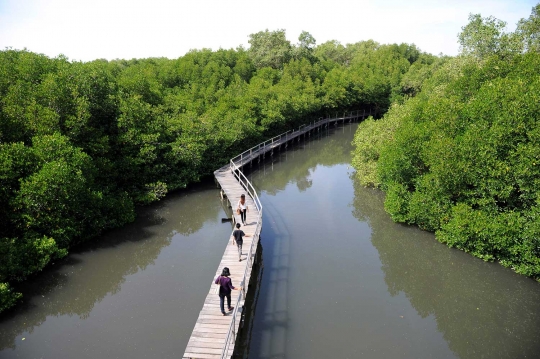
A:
[(214, 335), (212, 329)]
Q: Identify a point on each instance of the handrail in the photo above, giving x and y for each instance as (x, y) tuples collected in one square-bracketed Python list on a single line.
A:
[(352, 114), (243, 180), (247, 184)]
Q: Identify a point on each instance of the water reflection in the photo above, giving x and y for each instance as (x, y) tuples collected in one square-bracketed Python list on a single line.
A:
[(277, 314), (74, 286), (342, 280), (273, 321), (482, 309), (307, 153)]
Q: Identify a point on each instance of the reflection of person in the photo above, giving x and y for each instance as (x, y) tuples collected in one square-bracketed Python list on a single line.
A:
[(238, 235), (225, 287), (242, 207)]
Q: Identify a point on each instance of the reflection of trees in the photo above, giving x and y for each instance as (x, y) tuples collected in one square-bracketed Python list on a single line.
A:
[(74, 285), (482, 309), (328, 147), (190, 209)]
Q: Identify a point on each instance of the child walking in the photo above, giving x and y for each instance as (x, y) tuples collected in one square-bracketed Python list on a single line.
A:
[(238, 235)]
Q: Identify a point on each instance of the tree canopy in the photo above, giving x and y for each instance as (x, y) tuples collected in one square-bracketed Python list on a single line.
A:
[(81, 144), (461, 157), (269, 49), (528, 31)]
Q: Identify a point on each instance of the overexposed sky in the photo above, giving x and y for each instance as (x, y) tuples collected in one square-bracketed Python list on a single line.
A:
[(91, 29)]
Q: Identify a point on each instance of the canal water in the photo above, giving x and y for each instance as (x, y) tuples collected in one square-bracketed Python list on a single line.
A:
[(134, 293), (339, 279)]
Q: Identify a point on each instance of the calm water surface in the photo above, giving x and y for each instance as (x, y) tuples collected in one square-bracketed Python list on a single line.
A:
[(341, 280), (134, 294)]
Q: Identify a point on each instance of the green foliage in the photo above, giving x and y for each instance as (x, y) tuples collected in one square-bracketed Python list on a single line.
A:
[(27, 254), (269, 49), (412, 81), (462, 157), (82, 143), (332, 53), (305, 47), (529, 30), (483, 37), (397, 201), (8, 298), (368, 142)]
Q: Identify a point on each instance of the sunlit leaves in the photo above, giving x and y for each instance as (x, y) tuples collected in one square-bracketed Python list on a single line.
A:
[(269, 49), (82, 143), (462, 158), (7, 297), (528, 30)]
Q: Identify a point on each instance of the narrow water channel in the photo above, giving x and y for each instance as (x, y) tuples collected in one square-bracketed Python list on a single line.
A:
[(341, 280)]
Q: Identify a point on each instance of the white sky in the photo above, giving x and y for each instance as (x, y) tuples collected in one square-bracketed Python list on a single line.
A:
[(90, 29)]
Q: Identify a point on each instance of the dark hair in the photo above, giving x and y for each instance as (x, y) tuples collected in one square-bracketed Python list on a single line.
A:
[(225, 272), (237, 225), (243, 196)]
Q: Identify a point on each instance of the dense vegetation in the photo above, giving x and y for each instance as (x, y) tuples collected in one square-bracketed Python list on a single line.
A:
[(81, 144), (462, 158)]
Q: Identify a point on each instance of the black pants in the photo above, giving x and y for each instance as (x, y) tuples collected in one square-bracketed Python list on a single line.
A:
[(222, 301), (243, 215)]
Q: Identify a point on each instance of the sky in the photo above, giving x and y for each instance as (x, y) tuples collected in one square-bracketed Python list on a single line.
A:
[(110, 29)]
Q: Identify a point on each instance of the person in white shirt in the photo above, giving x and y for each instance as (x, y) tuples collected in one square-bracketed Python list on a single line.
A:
[(242, 209)]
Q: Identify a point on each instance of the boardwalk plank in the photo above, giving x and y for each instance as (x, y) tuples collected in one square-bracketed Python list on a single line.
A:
[(210, 344), (211, 328), (204, 350), (188, 355)]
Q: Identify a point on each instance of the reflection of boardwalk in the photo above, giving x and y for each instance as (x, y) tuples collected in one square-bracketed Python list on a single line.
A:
[(214, 335)]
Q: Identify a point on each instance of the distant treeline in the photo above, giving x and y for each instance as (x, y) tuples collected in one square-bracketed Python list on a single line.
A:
[(462, 158), (82, 143)]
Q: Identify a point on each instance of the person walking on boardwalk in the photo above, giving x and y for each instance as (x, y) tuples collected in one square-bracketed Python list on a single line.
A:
[(225, 288), (238, 235), (242, 209)]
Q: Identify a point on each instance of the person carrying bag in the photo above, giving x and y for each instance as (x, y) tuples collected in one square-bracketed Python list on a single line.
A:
[(242, 208)]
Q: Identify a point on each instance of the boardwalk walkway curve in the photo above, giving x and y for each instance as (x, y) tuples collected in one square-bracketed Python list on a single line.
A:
[(214, 335)]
